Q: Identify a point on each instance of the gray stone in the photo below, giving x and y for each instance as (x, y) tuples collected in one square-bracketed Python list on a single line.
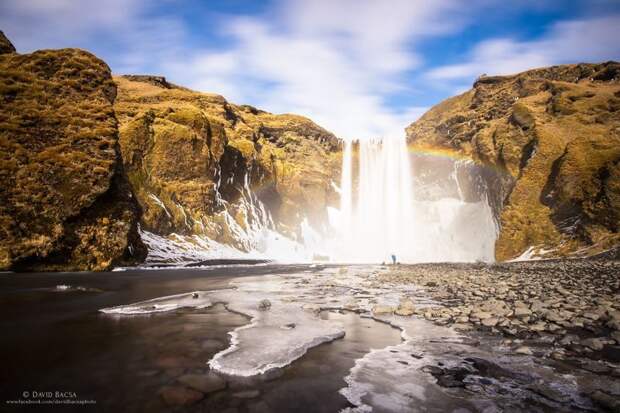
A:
[(538, 327), (553, 316), (522, 312), (490, 322), (593, 343), (523, 350), (609, 402)]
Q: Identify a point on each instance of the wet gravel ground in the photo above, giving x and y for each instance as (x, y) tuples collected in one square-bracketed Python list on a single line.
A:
[(564, 313)]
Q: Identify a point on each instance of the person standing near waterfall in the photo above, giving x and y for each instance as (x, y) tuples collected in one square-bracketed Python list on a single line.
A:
[(393, 259)]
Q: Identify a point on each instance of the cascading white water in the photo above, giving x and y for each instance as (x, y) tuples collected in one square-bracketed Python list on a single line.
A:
[(377, 226), (381, 215)]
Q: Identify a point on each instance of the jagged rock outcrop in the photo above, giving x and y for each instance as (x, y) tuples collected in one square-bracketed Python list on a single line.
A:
[(65, 203), (202, 166), (551, 138), (5, 44)]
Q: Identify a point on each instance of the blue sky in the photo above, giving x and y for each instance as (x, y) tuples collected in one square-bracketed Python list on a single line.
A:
[(360, 68)]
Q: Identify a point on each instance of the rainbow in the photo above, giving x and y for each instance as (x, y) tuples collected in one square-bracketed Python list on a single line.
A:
[(439, 152)]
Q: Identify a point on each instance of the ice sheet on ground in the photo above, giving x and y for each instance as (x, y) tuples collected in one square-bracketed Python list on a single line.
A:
[(194, 299), (391, 379), (288, 328)]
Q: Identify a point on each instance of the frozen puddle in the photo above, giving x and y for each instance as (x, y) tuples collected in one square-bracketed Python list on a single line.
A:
[(432, 369), (196, 300)]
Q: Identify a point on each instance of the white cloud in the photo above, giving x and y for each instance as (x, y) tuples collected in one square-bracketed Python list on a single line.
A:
[(588, 40), (338, 62), (335, 62), (37, 24)]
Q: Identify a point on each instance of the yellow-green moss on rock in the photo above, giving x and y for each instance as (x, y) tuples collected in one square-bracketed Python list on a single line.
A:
[(64, 204), (552, 135), (188, 155)]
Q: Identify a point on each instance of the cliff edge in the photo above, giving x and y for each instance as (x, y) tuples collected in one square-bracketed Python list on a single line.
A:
[(551, 137)]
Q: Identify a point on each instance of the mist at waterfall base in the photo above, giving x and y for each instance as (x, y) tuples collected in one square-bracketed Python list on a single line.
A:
[(417, 214), (417, 207)]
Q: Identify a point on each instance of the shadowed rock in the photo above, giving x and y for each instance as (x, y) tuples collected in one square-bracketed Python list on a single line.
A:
[(5, 44)]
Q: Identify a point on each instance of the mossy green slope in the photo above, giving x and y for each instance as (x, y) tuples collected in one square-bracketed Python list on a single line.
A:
[(552, 135)]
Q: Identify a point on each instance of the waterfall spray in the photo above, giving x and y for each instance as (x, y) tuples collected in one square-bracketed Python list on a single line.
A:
[(380, 214)]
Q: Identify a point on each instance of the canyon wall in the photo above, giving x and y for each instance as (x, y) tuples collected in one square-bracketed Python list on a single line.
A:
[(93, 165), (550, 143), (200, 165)]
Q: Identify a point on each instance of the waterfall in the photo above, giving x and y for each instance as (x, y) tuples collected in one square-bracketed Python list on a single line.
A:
[(382, 212), (376, 214)]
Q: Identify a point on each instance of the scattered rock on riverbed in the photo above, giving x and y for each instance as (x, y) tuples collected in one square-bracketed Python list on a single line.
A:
[(524, 299), (564, 311)]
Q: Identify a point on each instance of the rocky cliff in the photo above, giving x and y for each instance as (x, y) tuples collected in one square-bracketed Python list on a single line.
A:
[(551, 140), (202, 166), (64, 201)]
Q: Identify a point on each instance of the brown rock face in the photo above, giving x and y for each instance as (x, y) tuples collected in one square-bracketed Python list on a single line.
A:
[(64, 201), (191, 156), (552, 138), (5, 44)]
